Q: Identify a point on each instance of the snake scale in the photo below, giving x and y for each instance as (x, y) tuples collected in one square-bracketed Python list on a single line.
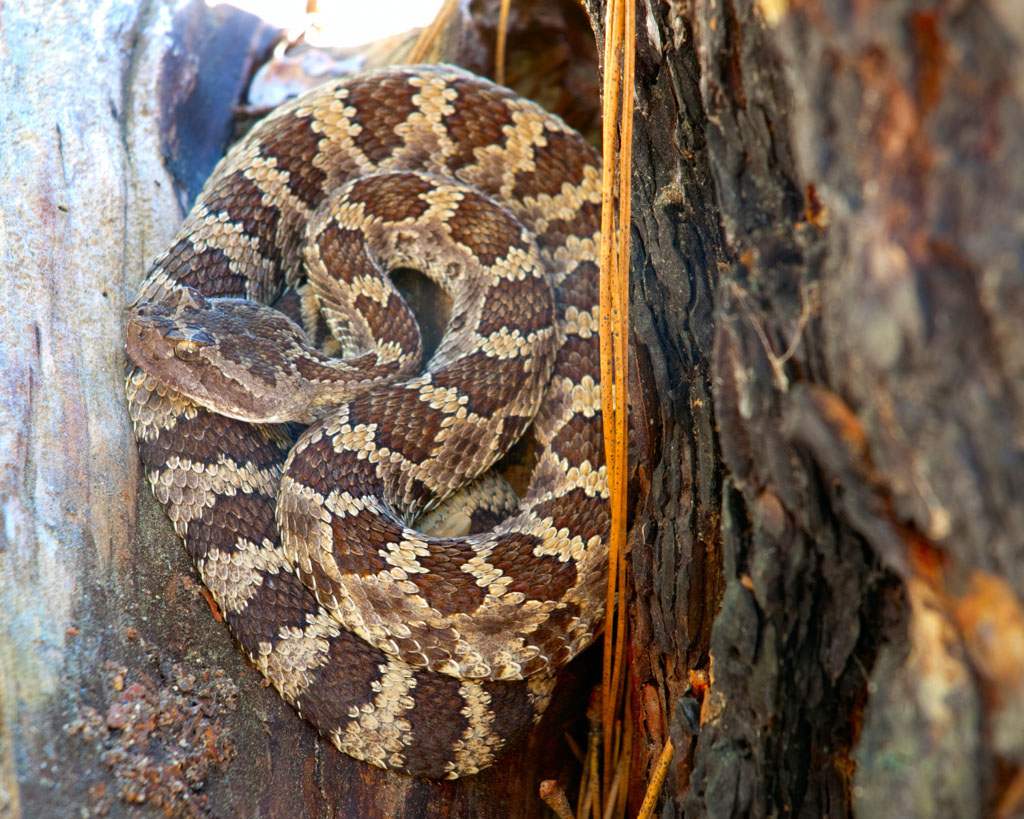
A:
[(417, 623)]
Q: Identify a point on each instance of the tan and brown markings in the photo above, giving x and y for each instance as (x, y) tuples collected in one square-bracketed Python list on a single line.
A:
[(427, 652)]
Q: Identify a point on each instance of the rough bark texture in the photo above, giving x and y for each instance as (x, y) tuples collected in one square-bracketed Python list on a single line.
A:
[(119, 694), (826, 300)]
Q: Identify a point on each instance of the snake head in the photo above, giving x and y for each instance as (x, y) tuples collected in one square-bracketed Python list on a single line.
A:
[(228, 355)]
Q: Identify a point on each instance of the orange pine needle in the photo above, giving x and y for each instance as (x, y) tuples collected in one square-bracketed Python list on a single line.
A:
[(430, 34), (620, 327), (654, 787), (608, 253), (499, 49), (614, 322)]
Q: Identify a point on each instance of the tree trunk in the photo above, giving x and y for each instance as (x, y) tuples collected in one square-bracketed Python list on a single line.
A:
[(826, 298), (119, 694)]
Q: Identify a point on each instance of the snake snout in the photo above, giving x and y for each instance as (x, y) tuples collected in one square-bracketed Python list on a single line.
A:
[(151, 335), (143, 340)]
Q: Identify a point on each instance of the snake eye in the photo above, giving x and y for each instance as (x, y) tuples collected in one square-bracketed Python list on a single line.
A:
[(187, 350)]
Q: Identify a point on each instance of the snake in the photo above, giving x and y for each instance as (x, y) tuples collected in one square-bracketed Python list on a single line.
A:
[(336, 492)]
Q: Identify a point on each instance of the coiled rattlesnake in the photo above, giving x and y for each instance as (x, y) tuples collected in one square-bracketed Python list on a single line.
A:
[(427, 653)]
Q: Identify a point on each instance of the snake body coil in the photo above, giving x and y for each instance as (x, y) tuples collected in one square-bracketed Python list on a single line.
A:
[(424, 651)]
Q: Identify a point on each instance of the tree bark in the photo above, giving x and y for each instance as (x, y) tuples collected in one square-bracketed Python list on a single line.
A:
[(827, 409), (119, 694)]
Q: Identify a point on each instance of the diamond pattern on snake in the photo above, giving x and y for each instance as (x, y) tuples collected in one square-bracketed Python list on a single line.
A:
[(400, 595)]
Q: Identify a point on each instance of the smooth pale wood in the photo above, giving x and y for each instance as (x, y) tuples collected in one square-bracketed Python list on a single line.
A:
[(84, 204)]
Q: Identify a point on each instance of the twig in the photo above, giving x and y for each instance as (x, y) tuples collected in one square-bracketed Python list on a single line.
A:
[(613, 793), (552, 793), (614, 323), (657, 780), (576, 751), (594, 797), (430, 34), (625, 758), (499, 48)]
